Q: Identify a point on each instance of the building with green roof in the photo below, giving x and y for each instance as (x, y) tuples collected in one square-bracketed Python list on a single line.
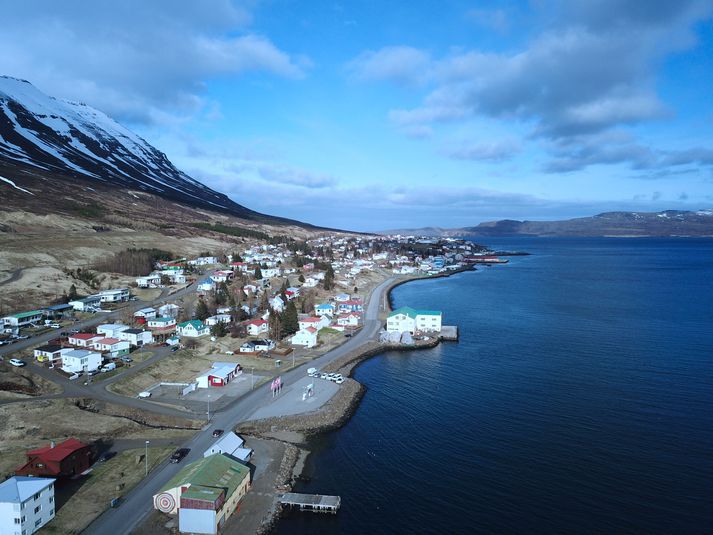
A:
[(410, 319), (205, 493)]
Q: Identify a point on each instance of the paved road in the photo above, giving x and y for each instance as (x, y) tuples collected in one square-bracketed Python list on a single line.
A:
[(138, 503)]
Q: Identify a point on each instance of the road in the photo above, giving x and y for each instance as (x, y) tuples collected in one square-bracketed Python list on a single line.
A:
[(136, 505)]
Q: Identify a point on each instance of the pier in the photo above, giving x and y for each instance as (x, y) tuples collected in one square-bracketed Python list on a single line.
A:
[(449, 333), (311, 502)]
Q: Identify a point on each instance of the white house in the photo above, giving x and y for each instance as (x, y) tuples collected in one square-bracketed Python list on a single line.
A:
[(206, 285), (203, 261), (23, 318), (162, 324), (218, 318), (26, 504), (136, 337), (232, 445), (50, 352), (192, 329), (348, 320), (87, 304), (145, 314), (220, 374), (114, 296), (113, 346), (169, 310), (342, 297), (80, 360), (112, 330), (305, 337), (318, 322), (149, 281), (84, 339), (324, 309), (277, 304), (252, 346), (257, 327), (408, 319), (271, 272)]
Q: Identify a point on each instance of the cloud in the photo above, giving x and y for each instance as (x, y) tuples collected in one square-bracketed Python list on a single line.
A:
[(400, 64), (138, 61), (495, 19), (495, 151), (285, 175)]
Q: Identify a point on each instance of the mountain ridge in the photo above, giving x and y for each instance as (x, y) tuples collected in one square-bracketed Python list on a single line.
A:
[(667, 223)]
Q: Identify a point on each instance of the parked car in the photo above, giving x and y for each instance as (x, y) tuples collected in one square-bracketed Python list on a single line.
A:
[(347, 335), (174, 349), (127, 359), (144, 394), (108, 367), (74, 376), (323, 375), (17, 362), (179, 454), (106, 456), (92, 373), (55, 325), (217, 433)]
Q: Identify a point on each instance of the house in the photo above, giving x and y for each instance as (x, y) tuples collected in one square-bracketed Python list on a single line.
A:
[(218, 318), (192, 329), (80, 360), (111, 330), (250, 289), (136, 337), (324, 309), (222, 276), (149, 281), (145, 314), (271, 272), (311, 282), (161, 325), (255, 346), (305, 337), (23, 319), (206, 285), (65, 459), (175, 276), (113, 346), (277, 304), (351, 305), (204, 493), (173, 341), (220, 374), (91, 303), (56, 312), (50, 352), (116, 295), (348, 320), (408, 319), (317, 322), (292, 293), (256, 327), (342, 297), (168, 310), (203, 261), (239, 266), (232, 445), (84, 339), (26, 504)]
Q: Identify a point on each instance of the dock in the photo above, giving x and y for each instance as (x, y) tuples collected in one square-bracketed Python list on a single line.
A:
[(449, 333), (312, 502)]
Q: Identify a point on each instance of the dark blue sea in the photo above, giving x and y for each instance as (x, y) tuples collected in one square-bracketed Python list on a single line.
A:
[(579, 399)]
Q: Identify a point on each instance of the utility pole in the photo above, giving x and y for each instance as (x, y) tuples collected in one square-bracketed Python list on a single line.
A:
[(209, 407), (146, 458), (252, 378)]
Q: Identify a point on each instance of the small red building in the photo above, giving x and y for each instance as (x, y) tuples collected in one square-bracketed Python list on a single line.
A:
[(65, 459)]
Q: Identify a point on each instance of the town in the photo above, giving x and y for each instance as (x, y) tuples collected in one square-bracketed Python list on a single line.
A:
[(192, 336)]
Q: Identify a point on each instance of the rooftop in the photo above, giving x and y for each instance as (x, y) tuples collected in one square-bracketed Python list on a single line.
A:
[(412, 312), (216, 471), (19, 488)]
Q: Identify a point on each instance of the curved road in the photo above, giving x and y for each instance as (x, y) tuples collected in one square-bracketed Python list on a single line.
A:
[(136, 505)]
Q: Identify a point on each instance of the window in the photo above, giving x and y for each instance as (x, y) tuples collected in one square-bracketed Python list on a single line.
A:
[(38, 522), (51, 499), (37, 496), (17, 521), (37, 509)]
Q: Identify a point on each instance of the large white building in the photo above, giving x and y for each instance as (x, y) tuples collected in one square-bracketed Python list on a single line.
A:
[(406, 319), (80, 360), (26, 504)]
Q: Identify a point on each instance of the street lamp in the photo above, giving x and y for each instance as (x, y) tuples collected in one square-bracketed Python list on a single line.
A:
[(209, 407), (252, 378), (146, 458)]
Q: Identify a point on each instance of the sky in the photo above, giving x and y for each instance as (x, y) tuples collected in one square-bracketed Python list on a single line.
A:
[(384, 114)]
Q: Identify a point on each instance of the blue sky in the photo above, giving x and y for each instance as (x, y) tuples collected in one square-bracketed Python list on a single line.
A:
[(375, 114)]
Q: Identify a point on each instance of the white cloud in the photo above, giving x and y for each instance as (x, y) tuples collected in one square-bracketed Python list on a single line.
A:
[(401, 64)]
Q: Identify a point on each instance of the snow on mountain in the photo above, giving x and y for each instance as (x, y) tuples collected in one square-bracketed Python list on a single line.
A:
[(76, 140)]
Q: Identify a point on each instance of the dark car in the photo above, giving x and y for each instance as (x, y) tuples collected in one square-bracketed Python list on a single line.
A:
[(179, 454), (106, 456), (174, 349), (217, 433)]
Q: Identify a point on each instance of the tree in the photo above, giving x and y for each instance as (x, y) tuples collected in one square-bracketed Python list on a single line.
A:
[(72, 295), (301, 278), (275, 325), (356, 289), (264, 302), (202, 311), (219, 330), (290, 322), (328, 281), (258, 273), (165, 279)]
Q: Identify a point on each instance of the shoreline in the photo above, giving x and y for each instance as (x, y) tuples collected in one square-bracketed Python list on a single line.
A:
[(296, 431)]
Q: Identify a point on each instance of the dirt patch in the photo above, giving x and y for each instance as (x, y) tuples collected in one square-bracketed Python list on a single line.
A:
[(23, 382)]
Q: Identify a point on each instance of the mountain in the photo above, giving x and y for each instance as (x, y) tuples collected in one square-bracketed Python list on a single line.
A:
[(666, 223), (61, 140)]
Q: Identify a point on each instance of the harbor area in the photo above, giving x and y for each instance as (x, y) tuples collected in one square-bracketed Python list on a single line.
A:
[(449, 333), (316, 503)]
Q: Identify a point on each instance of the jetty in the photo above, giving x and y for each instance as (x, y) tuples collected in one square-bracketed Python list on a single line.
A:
[(316, 503), (449, 332)]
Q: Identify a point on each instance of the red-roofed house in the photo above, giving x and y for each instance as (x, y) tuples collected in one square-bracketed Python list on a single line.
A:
[(113, 346), (62, 460), (256, 327), (84, 339), (305, 337), (315, 321)]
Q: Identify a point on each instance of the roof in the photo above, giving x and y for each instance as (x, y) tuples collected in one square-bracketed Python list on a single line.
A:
[(197, 324), (228, 443), (58, 307), (85, 336), (325, 305), (108, 341), (199, 492), (220, 369), (60, 451), (162, 320), (29, 314), (311, 330), (48, 348), (256, 322), (216, 471), (412, 312), (311, 320), (19, 488), (133, 331), (147, 310), (79, 353)]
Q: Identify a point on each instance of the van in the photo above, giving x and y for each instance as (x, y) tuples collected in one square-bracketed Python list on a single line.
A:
[(108, 367)]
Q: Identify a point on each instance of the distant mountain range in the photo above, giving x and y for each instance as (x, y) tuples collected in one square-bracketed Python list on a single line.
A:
[(622, 224), (47, 139)]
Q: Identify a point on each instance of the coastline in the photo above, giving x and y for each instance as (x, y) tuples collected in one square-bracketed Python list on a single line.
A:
[(295, 431)]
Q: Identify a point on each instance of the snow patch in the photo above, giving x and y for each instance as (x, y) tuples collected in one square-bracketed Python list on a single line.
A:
[(15, 185)]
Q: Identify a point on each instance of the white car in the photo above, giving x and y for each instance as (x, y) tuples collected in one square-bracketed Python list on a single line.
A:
[(323, 376), (74, 376), (144, 394), (339, 380), (17, 362)]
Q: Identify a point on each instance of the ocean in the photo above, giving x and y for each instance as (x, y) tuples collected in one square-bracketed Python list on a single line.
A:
[(579, 399)]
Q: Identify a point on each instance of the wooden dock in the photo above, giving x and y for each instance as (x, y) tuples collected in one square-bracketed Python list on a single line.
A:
[(449, 332), (311, 502)]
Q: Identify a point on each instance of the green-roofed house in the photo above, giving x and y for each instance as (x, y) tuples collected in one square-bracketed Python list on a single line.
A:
[(205, 493), (193, 329), (22, 319), (412, 320)]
